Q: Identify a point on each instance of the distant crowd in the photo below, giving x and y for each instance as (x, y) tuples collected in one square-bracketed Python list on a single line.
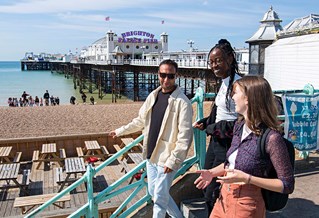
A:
[(27, 100)]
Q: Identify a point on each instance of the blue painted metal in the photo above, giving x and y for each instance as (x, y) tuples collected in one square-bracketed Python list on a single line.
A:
[(200, 136)]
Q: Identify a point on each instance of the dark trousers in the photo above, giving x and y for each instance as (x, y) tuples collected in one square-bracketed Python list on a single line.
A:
[(216, 154)]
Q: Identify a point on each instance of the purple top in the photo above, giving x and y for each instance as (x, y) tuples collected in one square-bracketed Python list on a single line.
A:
[(248, 158)]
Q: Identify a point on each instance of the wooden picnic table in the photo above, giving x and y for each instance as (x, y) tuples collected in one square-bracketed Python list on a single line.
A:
[(49, 153), (9, 172), (5, 154), (93, 149), (27, 203), (73, 166)]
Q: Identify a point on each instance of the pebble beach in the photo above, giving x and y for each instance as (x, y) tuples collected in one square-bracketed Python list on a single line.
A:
[(26, 122)]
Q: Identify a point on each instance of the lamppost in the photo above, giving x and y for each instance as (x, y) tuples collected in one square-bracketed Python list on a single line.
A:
[(191, 43)]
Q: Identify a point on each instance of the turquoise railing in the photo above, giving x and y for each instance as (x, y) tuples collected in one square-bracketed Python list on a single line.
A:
[(90, 209)]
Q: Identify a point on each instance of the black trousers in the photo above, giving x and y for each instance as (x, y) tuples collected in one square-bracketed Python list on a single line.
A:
[(216, 154)]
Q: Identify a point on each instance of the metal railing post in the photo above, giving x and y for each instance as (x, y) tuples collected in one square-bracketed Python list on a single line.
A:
[(93, 208)]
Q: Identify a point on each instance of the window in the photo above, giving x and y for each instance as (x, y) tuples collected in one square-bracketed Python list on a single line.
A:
[(127, 46), (254, 50), (137, 47)]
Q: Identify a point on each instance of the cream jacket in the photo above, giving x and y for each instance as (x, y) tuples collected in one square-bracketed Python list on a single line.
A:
[(176, 132)]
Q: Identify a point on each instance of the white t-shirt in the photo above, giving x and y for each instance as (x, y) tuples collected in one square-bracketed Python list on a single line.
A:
[(220, 101)]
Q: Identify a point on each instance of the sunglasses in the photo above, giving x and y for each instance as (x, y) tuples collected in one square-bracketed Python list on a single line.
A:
[(168, 75)]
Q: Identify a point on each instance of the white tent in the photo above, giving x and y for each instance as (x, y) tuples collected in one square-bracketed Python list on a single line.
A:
[(291, 63)]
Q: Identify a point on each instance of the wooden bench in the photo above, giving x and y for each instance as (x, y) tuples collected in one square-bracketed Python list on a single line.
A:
[(35, 200), (127, 141), (134, 158), (117, 147), (79, 151), (62, 153), (35, 156), (59, 178), (17, 157), (105, 210), (26, 177)]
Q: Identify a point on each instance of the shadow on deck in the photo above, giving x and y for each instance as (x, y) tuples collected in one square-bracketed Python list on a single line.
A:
[(43, 182)]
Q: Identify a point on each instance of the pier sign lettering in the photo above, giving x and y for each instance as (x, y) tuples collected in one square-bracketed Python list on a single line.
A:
[(136, 37), (301, 121)]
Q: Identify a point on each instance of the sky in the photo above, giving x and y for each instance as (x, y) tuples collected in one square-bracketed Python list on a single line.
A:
[(59, 26)]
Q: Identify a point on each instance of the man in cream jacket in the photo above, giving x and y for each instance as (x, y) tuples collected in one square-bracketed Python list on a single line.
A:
[(166, 121)]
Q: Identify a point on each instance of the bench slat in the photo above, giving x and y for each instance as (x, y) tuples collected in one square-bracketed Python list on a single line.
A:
[(104, 150), (17, 157), (59, 175), (35, 156), (79, 151), (35, 200), (62, 153)]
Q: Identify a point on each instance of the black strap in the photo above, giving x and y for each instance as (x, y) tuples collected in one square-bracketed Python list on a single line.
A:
[(262, 143)]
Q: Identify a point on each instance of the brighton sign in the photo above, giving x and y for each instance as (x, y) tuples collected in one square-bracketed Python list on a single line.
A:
[(137, 37)]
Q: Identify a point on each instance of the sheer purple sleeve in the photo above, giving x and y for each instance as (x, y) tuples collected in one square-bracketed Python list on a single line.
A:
[(279, 157)]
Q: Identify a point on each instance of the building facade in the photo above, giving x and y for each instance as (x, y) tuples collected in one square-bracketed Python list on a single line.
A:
[(125, 46)]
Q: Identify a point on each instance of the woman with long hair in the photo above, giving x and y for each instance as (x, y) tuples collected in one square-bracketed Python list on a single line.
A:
[(243, 174), (219, 124)]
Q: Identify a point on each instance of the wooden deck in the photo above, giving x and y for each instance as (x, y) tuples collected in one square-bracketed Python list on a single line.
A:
[(43, 182)]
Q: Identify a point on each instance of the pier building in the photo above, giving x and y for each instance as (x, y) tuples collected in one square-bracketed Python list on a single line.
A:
[(292, 60)]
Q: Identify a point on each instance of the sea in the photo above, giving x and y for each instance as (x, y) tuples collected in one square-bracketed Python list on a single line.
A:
[(13, 82)]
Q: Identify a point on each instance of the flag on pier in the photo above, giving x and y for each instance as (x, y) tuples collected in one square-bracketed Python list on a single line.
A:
[(107, 18), (162, 21)]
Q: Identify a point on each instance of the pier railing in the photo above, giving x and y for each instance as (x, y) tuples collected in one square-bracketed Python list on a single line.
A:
[(90, 209), (182, 63)]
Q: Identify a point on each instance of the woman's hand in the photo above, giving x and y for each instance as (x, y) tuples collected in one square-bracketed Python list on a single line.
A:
[(198, 125), (234, 176), (204, 179)]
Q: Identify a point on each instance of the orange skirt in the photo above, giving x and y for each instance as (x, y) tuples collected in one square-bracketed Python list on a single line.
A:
[(239, 201)]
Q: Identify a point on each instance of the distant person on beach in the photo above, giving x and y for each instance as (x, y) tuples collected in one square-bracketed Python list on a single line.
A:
[(46, 98), (10, 102), (31, 101), (36, 100), (219, 124), (41, 101), (24, 97), (92, 100), (166, 121), (83, 96), (57, 100), (72, 100), (21, 102), (52, 100)]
